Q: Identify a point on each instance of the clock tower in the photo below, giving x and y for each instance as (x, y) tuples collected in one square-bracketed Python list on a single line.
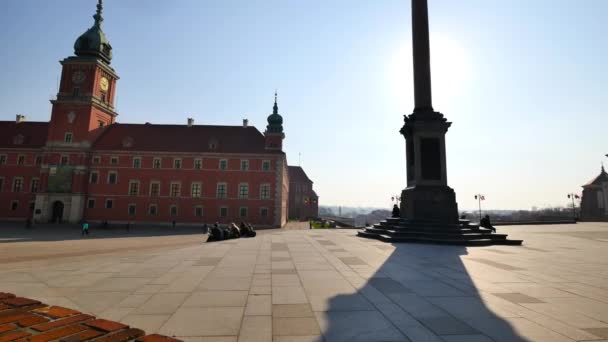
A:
[(85, 101)]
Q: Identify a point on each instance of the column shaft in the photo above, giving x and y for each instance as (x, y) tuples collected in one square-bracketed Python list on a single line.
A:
[(422, 60)]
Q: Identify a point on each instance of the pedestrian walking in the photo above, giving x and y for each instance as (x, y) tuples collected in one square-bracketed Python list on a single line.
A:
[(85, 228)]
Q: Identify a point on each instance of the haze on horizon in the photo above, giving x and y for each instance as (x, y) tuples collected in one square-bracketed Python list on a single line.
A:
[(524, 83)]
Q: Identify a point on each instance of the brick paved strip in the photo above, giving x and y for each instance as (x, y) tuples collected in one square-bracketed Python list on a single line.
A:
[(82, 336), (57, 311), (122, 336), (19, 301), (156, 338), (7, 327), (32, 320), (13, 336), (27, 320), (106, 325), (57, 333), (62, 322)]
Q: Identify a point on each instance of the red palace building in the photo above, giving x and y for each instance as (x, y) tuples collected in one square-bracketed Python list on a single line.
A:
[(83, 165), (303, 200)]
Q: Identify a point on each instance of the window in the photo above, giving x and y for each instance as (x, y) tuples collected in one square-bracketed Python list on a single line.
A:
[(152, 209), (34, 185), (154, 189), (221, 190), (96, 160), (2, 159), (14, 205), (266, 165), (38, 160), (175, 189), (109, 204), (91, 203), (223, 164), (244, 165), (223, 211), (156, 163), (17, 184), (1, 183), (21, 160), (76, 91), (265, 191), (195, 190), (264, 212), (112, 177), (243, 211), (198, 164), (136, 162), (94, 177), (177, 163), (131, 209), (32, 205), (173, 210), (114, 160), (68, 137), (243, 190), (103, 97), (101, 123), (65, 160), (134, 188), (198, 211)]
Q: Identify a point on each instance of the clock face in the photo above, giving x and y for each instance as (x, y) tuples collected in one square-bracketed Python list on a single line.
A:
[(104, 84), (78, 77)]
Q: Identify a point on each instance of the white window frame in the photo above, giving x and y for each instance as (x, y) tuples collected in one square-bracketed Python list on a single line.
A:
[(69, 135), (150, 190), (111, 200), (241, 212), (131, 183), (244, 164), (89, 200), (200, 189), (196, 207), (112, 158), (246, 195), (138, 159), (266, 162), (171, 210), (262, 191), (179, 189), (3, 159), (32, 185), (129, 206), (225, 162), (154, 163), (155, 206), (20, 158), (15, 179), (200, 162), (217, 190), (97, 160), (177, 161), (91, 177), (262, 210), (220, 213), (108, 178)]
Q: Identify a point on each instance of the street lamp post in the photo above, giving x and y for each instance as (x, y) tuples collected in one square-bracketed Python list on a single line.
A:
[(479, 198), (573, 196)]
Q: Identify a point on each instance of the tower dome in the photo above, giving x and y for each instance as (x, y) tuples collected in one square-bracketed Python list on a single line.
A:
[(275, 120), (94, 42)]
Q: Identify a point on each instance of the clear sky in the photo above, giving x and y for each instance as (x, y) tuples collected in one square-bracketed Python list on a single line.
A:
[(525, 83)]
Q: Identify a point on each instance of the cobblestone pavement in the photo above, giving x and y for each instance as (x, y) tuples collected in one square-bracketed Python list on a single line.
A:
[(328, 285)]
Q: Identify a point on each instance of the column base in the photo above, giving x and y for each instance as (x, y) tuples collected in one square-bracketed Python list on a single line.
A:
[(429, 203)]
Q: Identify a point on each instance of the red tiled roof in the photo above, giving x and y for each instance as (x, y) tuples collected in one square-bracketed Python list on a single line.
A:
[(33, 134), (181, 138), (297, 174)]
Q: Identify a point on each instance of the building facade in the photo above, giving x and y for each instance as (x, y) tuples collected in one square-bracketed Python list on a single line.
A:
[(303, 200), (83, 165), (594, 204)]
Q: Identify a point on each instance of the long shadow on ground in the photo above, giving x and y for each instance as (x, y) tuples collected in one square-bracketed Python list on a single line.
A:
[(423, 292)]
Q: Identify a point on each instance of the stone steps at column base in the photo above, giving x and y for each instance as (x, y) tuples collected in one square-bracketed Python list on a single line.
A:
[(462, 233), (439, 240)]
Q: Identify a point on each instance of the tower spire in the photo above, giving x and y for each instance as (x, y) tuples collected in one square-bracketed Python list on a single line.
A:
[(98, 18), (275, 108)]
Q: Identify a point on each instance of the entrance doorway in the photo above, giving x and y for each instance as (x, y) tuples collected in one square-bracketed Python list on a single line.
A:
[(57, 212)]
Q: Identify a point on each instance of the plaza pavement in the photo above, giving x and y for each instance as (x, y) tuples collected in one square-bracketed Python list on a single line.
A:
[(324, 285)]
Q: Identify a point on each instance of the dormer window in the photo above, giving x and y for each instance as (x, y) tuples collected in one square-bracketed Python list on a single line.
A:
[(68, 137), (18, 139), (213, 144)]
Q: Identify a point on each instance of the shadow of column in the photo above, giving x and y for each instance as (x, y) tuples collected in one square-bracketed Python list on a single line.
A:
[(421, 293)]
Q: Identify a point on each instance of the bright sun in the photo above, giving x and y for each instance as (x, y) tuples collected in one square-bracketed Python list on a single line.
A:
[(450, 71)]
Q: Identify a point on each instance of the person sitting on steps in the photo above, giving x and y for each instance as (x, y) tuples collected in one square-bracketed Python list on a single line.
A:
[(485, 223), (396, 211)]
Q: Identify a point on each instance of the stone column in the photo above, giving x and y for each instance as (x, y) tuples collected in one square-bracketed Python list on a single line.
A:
[(422, 57)]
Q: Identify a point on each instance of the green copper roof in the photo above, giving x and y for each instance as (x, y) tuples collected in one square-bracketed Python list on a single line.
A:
[(94, 42), (275, 120)]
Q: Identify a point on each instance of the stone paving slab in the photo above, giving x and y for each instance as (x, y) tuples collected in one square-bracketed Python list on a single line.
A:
[(325, 285)]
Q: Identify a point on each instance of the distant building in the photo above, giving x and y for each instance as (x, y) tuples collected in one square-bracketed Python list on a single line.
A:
[(83, 165), (303, 200), (594, 205)]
